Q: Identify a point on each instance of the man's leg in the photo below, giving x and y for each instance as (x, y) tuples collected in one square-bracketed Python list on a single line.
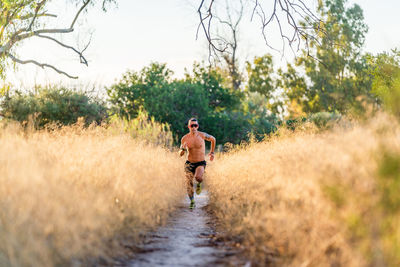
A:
[(189, 184), (189, 188), (198, 175)]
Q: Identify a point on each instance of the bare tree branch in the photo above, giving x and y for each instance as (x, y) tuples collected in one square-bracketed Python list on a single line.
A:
[(213, 48), (292, 10), (78, 13), (230, 55), (81, 57), (42, 65)]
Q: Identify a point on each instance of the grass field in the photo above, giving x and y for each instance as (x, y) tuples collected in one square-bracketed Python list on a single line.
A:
[(69, 195), (307, 198)]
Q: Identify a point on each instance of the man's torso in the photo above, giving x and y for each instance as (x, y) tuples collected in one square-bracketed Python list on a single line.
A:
[(196, 146)]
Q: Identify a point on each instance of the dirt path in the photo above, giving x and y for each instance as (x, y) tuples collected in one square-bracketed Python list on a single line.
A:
[(186, 241)]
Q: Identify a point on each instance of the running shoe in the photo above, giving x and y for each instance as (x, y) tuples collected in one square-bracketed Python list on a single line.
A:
[(198, 188), (192, 205)]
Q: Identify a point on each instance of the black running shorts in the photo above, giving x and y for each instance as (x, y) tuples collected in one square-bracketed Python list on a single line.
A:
[(191, 166)]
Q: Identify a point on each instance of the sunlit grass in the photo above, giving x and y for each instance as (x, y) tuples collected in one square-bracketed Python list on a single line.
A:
[(314, 199), (66, 195)]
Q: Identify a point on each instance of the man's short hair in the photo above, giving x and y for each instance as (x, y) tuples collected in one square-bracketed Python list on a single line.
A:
[(192, 119)]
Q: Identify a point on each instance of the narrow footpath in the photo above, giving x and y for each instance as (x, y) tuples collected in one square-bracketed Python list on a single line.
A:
[(186, 240)]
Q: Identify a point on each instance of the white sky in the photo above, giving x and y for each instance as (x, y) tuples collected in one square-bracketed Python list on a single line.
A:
[(139, 32)]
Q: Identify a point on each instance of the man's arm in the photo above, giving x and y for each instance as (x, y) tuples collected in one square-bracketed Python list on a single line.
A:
[(183, 147), (211, 139)]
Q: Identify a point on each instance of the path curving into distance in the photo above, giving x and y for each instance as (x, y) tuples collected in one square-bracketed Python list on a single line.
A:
[(186, 241)]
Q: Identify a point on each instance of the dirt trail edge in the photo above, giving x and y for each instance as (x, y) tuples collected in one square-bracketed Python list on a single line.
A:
[(186, 240)]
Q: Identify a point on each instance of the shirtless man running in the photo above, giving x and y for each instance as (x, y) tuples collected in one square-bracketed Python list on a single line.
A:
[(193, 142)]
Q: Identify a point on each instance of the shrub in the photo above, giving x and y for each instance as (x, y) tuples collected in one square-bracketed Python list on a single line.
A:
[(53, 105), (324, 119)]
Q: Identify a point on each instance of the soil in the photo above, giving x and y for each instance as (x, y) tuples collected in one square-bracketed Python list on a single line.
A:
[(188, 239)]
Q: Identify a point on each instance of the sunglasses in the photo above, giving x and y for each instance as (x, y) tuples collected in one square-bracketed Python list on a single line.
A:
[(194, 125)]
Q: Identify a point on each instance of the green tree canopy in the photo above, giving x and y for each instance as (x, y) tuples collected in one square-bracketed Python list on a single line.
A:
[(335, 77), (261, 80), (385, 69), (200, 94)]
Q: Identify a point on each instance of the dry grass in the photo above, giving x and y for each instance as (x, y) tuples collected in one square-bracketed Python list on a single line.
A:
[(66, 195), (313, 199)]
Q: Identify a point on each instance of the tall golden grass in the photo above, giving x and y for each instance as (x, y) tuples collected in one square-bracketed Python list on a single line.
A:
[(145, 128), (65, 195), (314, 199)]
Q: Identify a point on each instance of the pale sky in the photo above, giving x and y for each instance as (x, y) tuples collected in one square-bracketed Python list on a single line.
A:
[(136, 33)]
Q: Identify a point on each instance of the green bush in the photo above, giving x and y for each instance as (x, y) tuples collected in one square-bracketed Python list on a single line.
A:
[(52, 105), (324, 119)]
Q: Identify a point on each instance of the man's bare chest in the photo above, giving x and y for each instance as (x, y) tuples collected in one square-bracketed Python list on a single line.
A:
[(195, 142)]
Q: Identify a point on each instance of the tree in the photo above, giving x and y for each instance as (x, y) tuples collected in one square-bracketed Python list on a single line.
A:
[(22, 20), (171, 101), (335, 78), (137, 90), (214, 83), (200, 95)]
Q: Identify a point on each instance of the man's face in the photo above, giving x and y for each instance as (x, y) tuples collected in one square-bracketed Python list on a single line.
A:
[(193, 126)]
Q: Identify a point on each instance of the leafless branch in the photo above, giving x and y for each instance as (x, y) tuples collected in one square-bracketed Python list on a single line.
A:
[(205, 24), (80, 53), (294, 33), (42, 65), (231, 40), (78, 13)]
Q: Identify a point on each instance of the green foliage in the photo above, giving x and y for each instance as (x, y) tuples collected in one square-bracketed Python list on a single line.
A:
[(357, 226), (4, 90), (259, 72), (261, 80), (258, 109), (373, 217), (389, 182), (335, 79), (199, 95), (136, 90), (52, 105), (336, 193), (294, 123), (389, 188), (324, 120), (385, 69), (221, 97)]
